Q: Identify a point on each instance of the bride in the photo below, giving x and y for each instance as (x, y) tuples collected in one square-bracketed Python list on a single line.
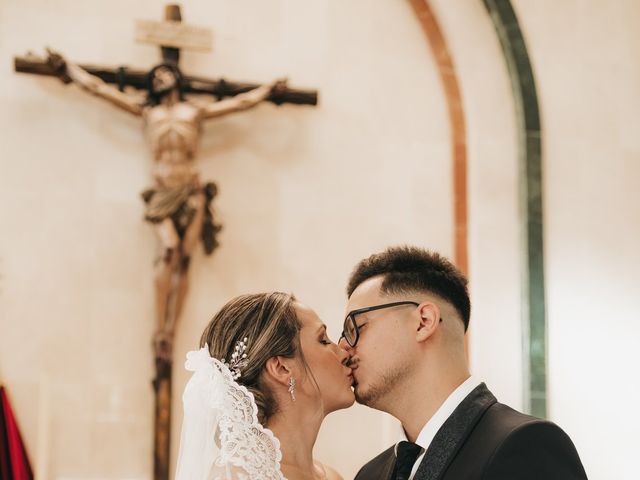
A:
[(264, 379)]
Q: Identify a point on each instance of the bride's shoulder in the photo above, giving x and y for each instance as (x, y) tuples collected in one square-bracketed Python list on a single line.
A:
[(330, 472)]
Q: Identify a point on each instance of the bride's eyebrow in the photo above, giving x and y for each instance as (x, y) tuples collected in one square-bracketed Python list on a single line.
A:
[(323, 326)]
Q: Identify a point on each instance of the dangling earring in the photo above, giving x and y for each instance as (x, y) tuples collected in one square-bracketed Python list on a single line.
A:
[(292, 388)]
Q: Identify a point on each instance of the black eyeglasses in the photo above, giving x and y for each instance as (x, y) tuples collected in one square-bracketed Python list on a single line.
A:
[(351, 330)]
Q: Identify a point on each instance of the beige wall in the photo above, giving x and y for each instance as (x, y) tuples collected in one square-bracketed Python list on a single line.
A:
[(304, 194)]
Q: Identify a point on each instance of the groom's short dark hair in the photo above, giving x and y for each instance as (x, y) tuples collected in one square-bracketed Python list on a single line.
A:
[(413, 269)]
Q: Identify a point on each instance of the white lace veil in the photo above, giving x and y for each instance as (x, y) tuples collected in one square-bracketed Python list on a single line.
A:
[(221, 436)]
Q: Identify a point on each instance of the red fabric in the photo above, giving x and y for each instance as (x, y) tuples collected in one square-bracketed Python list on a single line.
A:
[(5, 461), (19, 466)]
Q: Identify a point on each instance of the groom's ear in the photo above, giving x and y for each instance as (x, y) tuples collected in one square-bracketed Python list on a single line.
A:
[(279, 369), (429, 320)]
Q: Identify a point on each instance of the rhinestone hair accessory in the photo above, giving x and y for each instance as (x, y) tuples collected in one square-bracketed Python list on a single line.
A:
[(238, 359)]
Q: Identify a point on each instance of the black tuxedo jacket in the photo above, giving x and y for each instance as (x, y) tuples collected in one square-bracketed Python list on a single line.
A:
[(486, 440)]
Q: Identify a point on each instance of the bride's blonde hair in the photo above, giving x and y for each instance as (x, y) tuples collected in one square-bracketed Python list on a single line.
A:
[(270, 323)]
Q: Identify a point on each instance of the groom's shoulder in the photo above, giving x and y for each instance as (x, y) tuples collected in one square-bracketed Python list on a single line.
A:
[(500, 426), (504, 434), (491, 417), (503, 421), (506, 444), (373, 468)]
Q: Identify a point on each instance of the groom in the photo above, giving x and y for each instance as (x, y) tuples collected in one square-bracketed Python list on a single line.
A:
[(408, 311)]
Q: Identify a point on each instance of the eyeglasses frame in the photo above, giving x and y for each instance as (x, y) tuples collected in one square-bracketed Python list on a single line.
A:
[(352, 314)]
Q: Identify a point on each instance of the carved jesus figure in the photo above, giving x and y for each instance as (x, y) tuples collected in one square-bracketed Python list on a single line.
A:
[(178, 204)]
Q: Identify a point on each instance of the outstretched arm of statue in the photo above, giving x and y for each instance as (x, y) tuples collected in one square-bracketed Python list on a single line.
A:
[(67, 70), (242, 101)]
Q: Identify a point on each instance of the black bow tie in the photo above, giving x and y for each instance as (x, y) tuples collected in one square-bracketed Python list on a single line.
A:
[(406, 455)]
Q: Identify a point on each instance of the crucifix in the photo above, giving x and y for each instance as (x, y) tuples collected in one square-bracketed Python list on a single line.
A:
[(178, 205)]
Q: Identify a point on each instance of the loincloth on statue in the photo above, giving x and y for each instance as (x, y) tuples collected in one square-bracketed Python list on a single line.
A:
[(173, 203)]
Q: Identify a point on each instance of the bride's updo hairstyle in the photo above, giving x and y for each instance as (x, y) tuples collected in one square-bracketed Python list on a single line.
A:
[(270, 324)]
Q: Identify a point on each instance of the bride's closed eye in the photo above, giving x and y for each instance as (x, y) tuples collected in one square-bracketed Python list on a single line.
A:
[(323, 338)]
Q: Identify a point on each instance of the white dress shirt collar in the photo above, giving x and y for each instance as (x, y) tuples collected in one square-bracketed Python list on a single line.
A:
[(434, 424)]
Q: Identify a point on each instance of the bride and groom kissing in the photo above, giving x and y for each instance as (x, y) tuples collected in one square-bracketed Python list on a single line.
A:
[(267, 374)]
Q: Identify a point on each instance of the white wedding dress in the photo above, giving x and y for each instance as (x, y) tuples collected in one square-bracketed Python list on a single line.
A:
[(221, 436)]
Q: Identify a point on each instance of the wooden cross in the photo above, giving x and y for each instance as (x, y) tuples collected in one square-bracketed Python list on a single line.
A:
[(169, 33), (178, 204)]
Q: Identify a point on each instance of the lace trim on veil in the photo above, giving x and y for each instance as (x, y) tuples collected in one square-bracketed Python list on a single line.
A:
[(243, 447)]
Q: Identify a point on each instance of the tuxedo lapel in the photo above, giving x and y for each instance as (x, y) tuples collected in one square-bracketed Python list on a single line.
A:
[(453, 433), (387, 468), (380, 467)]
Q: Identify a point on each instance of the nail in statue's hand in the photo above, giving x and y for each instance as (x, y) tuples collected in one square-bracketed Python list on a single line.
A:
[(279, 86), (58, 64)]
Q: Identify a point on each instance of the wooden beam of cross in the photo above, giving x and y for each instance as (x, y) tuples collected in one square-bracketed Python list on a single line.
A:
[(130, 77), (172, 36), (178, 204)]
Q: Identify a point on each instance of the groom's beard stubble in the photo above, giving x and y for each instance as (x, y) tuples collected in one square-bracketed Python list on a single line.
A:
[(375, 393)]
